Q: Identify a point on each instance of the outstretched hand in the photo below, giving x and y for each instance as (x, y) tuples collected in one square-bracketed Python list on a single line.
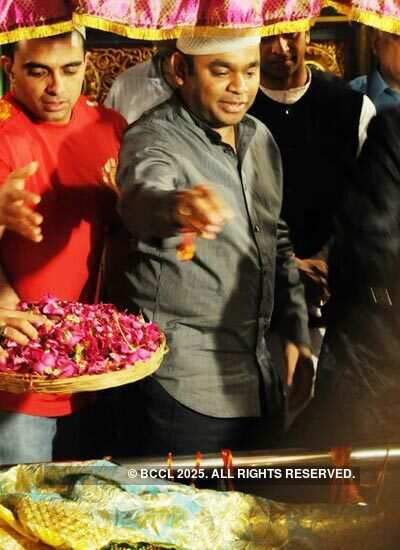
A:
[(201, 211), (16, 213)]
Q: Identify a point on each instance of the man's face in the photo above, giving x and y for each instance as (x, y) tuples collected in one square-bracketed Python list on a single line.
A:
[(387, 48), (283, 55), (220, 88), (46, 76)]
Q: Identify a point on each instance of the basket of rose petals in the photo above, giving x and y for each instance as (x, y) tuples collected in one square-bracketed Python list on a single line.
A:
[(81, 347)]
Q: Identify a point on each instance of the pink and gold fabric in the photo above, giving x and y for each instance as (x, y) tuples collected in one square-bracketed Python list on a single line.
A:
[(156, 19), (159, 19), (382, 14), (21, 19)]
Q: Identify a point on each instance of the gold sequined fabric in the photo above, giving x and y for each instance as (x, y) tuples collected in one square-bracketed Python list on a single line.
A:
[(86, 507)]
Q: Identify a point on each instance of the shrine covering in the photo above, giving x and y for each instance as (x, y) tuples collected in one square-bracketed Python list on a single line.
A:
[(162, 19)]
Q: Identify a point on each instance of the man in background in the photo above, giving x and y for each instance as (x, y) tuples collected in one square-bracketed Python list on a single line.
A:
[(319, 124), (382, 85), (143, 86)]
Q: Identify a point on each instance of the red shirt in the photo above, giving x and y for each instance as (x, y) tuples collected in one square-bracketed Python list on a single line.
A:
[(76, 206)]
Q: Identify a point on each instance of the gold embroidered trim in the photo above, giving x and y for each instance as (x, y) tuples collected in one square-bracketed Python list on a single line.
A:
[(381, 22), (164, 34), (5, 110), (26, 33)]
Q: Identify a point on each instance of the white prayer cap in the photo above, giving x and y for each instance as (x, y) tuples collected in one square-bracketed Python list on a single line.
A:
[(209, 45)]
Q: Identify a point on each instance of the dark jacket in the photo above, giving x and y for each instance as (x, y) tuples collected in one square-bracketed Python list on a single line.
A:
[(318, 140), (357, 390), (366, 248)]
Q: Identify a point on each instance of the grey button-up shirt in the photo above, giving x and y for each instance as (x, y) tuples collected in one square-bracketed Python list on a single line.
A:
[(215, 309), (139, 89)]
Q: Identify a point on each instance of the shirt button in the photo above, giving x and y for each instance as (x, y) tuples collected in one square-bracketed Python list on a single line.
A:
[(257, 228), (287, 112)]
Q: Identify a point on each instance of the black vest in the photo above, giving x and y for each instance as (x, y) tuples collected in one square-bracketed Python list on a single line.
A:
[(318, 139)]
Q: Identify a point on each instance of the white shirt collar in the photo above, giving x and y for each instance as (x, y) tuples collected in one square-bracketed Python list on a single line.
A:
[(288, 97)]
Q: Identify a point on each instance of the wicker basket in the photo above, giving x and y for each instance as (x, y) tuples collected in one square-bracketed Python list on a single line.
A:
[(21, 383)]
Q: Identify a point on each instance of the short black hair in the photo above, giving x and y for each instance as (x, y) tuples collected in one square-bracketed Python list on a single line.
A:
[(189, 59), (165, 48), (9, 49)]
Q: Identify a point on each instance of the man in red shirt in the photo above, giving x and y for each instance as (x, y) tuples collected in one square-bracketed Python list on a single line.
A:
[(73, 141)]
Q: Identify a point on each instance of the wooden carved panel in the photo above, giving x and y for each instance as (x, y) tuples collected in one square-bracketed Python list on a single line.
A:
[(105, 64), (327, 56)]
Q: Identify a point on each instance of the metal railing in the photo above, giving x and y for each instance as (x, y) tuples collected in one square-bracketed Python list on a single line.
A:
[(362, 456)]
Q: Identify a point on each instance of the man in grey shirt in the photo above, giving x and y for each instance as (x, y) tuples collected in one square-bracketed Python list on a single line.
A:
[(143, 86), (216, 387)]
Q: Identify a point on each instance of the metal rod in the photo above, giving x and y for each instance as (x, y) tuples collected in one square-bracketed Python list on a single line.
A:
[(371, 456)]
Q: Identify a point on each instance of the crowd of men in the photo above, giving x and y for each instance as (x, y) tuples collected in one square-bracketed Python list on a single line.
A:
[(261, 194)]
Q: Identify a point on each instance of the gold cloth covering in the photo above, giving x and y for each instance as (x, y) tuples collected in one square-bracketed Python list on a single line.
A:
[(93, 506)]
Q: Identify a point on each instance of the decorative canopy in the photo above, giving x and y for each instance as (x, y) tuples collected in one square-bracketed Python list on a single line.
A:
[(157, 19), (381, 14), (160, 19), (21, 19)]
